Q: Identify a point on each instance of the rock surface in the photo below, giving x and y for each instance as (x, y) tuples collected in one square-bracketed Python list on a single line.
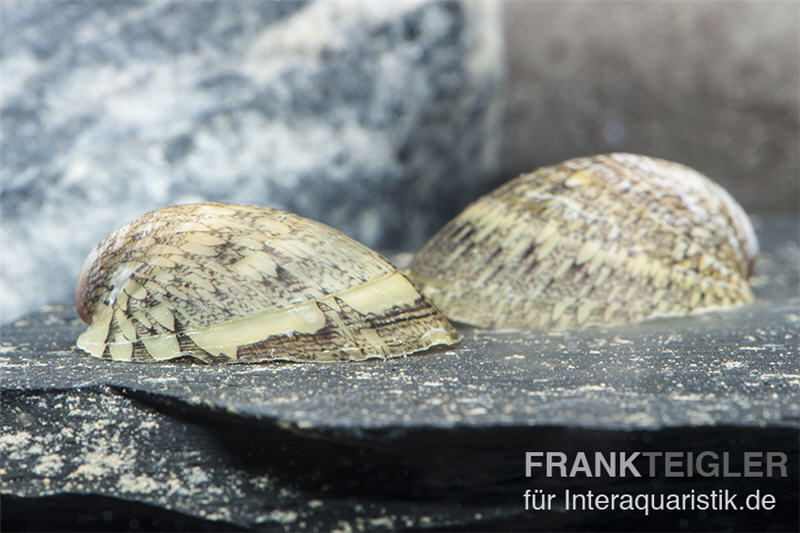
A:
[(435, 441), (380, 120)]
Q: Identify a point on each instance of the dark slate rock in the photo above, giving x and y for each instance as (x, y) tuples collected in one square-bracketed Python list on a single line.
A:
[(381, 120), (434, 441)]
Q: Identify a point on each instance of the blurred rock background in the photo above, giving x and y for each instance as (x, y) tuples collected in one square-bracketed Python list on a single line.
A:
[(713, 85), (382, 119), (378, 118)]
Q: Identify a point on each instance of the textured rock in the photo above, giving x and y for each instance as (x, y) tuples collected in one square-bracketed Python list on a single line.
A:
[(381, 120), (427, 442), (713, 85)]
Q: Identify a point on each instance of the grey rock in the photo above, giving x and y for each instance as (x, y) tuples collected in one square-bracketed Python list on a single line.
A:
[(378, 119), (434, 441), (713, 85)]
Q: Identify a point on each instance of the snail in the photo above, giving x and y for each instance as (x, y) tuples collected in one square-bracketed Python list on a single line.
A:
[(237, 283), (602, 240)]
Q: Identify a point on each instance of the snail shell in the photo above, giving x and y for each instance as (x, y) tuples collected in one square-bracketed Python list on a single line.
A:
[(608, 239), (225, 283)]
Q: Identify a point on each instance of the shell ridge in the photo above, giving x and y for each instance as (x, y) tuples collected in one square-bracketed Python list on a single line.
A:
[(703, 250), (603, 239), (703, 185), (228, 283)]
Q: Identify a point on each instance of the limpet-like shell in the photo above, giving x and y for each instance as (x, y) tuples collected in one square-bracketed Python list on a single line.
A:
[(608, 239), (225, 283)]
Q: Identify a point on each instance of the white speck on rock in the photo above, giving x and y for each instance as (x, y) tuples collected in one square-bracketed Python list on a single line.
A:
[(140, 483), (48, 465), (196, 475), (732, 364), (283, 516)]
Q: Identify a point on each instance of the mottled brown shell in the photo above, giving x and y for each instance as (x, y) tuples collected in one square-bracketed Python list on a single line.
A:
[(226, 283), (608, 239)]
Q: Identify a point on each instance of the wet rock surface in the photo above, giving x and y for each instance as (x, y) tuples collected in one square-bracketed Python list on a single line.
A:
[(426, 442)]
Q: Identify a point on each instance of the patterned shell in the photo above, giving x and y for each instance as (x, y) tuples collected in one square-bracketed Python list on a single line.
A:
[(227, 283), (609, 239)]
